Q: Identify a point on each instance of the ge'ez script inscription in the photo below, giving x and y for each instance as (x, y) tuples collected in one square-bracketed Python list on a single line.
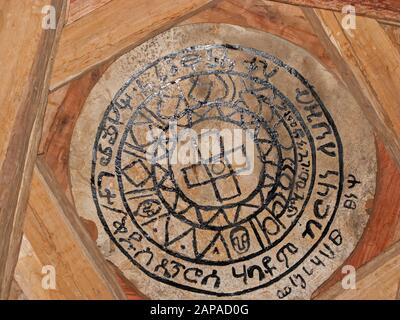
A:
[(202, 227)]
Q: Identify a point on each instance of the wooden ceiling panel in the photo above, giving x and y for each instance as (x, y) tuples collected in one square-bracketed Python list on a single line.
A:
[(112, 29), (27, 51)]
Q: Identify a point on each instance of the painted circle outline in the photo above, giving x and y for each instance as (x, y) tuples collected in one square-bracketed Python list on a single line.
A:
[(328, 117)]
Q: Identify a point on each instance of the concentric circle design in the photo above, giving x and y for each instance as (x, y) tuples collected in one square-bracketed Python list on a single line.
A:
[(218, 170), (193, 193), (189, 211)]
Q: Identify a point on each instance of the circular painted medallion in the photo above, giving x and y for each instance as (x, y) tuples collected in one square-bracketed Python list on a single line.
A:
[(222, 161)]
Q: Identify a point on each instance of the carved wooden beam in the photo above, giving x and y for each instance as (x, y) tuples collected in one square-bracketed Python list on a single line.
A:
[(79, 8), (378, 279), (369, 64), (386, 10), (26, 52), (56, 237), (113, 29)]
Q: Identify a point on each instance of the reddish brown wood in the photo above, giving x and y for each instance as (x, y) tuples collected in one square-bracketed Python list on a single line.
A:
[(60, 122), (27, 53), (398, 292), (130, 291), (79, 8), (394, 34), (378, 9)]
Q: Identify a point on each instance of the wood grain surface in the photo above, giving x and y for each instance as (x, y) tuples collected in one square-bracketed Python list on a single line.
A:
[(80, 8), (382, 9), (56, 237), (26, 52), (369, 63), (377, 280), (112, 29)]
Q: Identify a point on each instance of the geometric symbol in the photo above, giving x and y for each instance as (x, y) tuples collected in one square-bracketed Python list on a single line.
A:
[(216, 167), (137, 173)]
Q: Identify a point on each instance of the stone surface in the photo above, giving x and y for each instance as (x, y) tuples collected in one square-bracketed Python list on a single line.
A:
[(270, 217)]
